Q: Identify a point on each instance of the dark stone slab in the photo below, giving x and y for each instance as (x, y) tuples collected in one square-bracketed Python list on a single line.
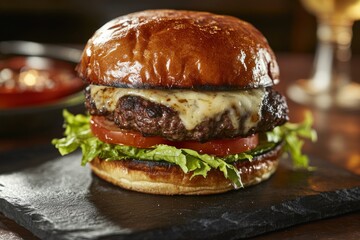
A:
[(56, 198)]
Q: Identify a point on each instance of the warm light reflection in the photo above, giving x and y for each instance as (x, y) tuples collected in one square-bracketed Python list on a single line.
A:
[(29, 77), (5, 75), (34, 79), (353, 163)]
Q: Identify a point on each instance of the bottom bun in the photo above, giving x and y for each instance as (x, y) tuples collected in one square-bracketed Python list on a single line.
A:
[(168, 179)]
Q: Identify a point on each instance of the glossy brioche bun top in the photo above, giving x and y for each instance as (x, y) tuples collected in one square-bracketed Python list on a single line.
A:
[(178, 49)]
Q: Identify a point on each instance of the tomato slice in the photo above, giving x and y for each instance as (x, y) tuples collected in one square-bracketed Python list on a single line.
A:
[(223, 147), (108, 132)]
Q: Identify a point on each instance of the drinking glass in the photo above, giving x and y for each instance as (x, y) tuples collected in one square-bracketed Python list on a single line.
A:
[(330, 84)]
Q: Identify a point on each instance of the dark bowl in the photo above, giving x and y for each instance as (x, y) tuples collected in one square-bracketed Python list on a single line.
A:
[(45, 117)]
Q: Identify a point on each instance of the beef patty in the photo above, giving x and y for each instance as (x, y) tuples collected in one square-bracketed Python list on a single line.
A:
[(153, 119)]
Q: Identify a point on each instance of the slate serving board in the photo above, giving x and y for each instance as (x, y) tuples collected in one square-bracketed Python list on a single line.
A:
[(55, 198)]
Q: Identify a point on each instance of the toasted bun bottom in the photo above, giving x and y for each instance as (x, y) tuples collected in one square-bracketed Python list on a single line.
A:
[(168, 179)]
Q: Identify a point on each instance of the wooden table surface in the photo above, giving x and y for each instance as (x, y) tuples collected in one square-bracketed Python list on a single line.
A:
[(339, 142)]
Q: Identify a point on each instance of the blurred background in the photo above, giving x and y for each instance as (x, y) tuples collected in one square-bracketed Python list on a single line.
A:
[(285, 23)]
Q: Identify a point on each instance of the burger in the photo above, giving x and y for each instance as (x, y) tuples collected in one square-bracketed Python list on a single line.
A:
[(181, 102)]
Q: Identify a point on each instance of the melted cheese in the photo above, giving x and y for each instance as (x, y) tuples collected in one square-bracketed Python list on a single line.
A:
[(193, 106)]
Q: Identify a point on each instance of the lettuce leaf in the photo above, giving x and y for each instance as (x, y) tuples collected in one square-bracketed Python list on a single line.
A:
[(78, 135), (292, 134)]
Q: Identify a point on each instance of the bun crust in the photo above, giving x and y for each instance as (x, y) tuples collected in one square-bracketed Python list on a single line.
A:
[(168, 179), (178, 49)]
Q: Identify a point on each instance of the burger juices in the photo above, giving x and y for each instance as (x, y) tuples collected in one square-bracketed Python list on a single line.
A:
[(181, 102)]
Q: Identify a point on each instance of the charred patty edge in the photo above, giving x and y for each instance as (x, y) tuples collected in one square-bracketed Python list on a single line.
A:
[(154, 119)]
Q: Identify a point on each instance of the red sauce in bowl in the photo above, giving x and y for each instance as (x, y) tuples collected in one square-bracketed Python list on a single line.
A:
[(29, 81)]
